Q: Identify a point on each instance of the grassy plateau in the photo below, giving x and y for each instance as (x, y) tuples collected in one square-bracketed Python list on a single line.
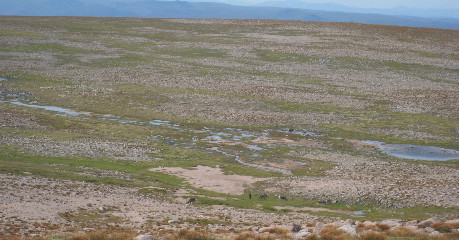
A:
[(225, 112)]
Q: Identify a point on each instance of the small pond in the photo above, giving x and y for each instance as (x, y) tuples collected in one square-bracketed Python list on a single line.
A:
[(416, 152)]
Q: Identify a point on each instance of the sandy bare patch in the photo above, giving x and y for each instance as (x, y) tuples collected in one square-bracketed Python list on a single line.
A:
[(210, 178)]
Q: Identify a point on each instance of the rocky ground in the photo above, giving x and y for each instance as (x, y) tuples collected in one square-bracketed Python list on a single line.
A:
[(33, 205), (153, 112), (341, 65)]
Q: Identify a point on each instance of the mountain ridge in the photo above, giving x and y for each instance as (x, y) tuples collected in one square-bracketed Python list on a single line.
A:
[(185, 9)]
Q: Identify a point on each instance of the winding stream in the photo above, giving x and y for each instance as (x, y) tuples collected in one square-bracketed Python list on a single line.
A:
[(232, 136)]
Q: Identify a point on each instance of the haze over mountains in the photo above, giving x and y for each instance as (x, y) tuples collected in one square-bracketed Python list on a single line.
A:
[(294, 10), (420, 10)]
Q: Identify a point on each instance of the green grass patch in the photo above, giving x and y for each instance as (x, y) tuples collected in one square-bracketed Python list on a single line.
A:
[(47, 47), (278, 56), (312, 167), (15, 162), (19, 33), (205, 222), (90, 217), (396, 121)]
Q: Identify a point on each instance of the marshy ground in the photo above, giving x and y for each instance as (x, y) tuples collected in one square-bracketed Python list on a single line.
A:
[(110, 123)]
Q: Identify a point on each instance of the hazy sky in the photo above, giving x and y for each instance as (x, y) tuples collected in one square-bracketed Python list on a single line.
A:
[(439, 4)]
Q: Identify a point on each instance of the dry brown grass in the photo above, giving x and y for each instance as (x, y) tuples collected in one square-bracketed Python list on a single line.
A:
[(328, 233), (362, 227), (333, 233), (383, 227), (312, 237), (96, 235), (445, 227), (372, 235), (402, 232), (453, 235), (276, 230), (192, 235), (376, 228), (104, 235), (253, 236)]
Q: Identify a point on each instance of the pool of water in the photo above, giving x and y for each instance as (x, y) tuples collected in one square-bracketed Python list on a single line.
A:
[(416, 152), (360, 213)]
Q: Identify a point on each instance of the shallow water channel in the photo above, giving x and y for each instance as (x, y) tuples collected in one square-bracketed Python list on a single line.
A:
[(232, 136), (216, 136)]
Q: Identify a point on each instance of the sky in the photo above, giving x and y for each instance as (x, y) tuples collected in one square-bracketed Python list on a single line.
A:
[(438, 4)]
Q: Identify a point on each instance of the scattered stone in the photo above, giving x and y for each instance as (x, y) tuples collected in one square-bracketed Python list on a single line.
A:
[(301, 234), (412, 222), (414, 229), (392, 222), (349, 229), (349, 222), (263, 229), (453, 221), (429, 222), (145, 237), (319, 227), (174, 222), (296, 228), (368, 223)]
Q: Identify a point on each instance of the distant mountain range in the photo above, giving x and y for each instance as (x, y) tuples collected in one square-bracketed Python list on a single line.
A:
[(184, 9), (328, 6)]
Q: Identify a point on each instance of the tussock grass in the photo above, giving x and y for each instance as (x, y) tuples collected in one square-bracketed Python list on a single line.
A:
[(372, 235), (124, 234), (333, 233), (106, 235), (312, 237), (328, 233), (276, 230), (444, 227), (254, 236), (193, 235), (383, 227), (402, 232)]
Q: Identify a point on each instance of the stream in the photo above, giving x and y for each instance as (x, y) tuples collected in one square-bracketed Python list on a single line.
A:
[(232, 136)]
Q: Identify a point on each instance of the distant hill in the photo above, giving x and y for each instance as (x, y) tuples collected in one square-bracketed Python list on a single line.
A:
[(183, 9), (328, 6)]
